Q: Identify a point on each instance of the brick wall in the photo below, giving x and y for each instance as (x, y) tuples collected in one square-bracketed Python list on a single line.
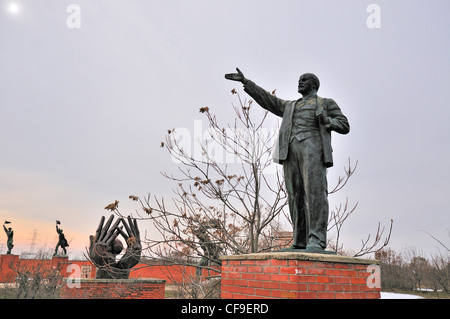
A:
[(114, 289), (170, 273), (7, 268), (297, 276), (11, 265)]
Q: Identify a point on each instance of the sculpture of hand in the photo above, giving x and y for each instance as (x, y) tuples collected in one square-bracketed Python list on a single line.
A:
[(105, 246), (132, 255), (239, 76)]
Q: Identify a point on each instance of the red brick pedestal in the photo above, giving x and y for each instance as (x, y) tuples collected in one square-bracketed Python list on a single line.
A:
[(298, 275), (137, 288)]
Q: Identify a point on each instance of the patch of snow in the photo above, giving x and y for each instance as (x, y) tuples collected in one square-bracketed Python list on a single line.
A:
[(392, 295)]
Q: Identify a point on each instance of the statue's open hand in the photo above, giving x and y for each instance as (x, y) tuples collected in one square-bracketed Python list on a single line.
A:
[(132, 236), (239, 76), (102, 244)]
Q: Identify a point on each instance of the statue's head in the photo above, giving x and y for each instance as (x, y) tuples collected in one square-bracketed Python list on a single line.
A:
[(307, 83)]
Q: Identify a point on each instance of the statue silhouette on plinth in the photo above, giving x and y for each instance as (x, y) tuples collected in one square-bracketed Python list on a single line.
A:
[(10, 234), (62, 242)]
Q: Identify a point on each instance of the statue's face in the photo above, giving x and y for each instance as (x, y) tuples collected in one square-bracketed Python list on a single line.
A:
[(305, 85)]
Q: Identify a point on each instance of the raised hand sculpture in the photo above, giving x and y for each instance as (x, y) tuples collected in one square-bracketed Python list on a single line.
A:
[(105, 246)]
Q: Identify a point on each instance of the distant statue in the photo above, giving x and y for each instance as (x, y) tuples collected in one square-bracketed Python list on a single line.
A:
[(304, 150), (62, 242), (10, 233), (210, 249), (105, 246)]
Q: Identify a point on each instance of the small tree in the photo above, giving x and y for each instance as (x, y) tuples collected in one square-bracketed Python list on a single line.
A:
[(440, 273), (418, 267), (224, 201), (394, 269), (36, 280)]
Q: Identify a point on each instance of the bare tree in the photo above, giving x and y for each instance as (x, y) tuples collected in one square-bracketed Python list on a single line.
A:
[(36, 280), (225, 201), (394, 269), (418, 267), (411, 270), (440, 272), (225, 184)]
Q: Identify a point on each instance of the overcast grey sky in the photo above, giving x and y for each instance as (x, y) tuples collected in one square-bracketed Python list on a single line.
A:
[(83, 110)]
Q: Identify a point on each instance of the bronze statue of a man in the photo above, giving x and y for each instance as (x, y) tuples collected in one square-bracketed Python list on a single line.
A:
[(10, 234), (62, 241), (211, 250), (304, 150)]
